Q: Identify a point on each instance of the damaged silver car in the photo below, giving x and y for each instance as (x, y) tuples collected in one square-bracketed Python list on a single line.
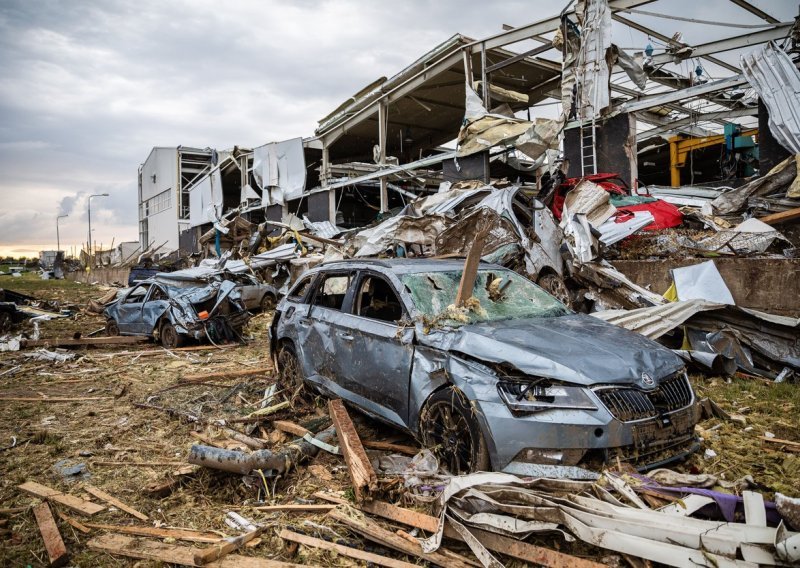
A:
[(174, 310), (513, 382)]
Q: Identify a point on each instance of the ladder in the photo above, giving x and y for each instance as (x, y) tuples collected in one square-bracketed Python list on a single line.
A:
[(588, 149)]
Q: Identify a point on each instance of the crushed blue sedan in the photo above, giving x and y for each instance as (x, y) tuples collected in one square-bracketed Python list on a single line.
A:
[(512, 381)]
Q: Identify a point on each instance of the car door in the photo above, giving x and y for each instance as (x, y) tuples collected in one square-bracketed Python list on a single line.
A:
[(376, 351), (129, 311), (250, 291), (155, 304), (322, 324)]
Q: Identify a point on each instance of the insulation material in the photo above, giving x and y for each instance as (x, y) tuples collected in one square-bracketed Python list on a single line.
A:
[(400, 229), (777, 81), (205, 202), (701, 282), (589, 199), (280, 170), (631, 64)]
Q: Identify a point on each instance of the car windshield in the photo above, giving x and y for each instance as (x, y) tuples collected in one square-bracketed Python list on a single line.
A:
[(498, 294)]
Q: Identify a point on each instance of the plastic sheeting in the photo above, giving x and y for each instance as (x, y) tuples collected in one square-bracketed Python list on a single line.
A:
[(702, 282), (280, 170), (205, 203)]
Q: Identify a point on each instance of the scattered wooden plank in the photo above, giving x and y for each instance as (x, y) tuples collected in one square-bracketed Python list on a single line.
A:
[(226, 374), (56, 550), (83, 341), (338, 499), (175, 554), (167, 486), (103, 496), (291, 428), (345, 550), (73, 522), (788, 444), (217, 551), (139, 464), (12, 510), (782, 217), (82, 506), (178, 534), (371, 530), (401, 515), (524, 551), (52, 399), (296, 508), (389, 447), (361, 473)]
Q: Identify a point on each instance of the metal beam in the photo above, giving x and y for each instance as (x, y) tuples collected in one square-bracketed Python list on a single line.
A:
[(662, 99), (670, 41), (520, 57), (754, 10), (666, 123), (778, 32), (677, 125)]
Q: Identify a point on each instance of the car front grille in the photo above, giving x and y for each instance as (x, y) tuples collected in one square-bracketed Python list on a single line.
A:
[(630, 404)]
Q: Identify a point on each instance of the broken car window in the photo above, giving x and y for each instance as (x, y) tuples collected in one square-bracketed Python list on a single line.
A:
[(498, 294), (377, 300), (332, 291), (299, 293), (137, 295)]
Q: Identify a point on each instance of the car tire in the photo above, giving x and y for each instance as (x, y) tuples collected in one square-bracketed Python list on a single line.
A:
[(554, 285), (170, 338), (268, 302), (290, 373), (112, 329), (449, 428)]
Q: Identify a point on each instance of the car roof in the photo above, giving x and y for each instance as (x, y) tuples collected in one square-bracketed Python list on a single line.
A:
[(402, 265)]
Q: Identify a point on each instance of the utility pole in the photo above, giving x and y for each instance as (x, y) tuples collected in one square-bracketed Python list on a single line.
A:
[(58, 237), (90, 219)]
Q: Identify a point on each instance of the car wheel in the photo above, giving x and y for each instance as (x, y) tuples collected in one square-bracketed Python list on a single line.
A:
[(112, 329), (451, 431), (268, 303), (554, 285), (290, 373), (170, 338)]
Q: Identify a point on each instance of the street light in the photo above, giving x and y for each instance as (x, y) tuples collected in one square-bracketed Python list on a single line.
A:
[(90, 218), (58, 238)]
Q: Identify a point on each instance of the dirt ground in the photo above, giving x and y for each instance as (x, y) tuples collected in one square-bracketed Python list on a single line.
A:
[(110, 435)]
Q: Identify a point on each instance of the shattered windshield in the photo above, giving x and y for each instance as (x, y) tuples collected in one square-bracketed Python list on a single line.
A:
[(498, 294)]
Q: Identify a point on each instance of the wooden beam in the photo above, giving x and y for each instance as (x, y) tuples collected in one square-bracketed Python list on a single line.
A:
[(389, 447), (401, 515), (291, 428), (82, 506), (56, 550), (74, 523), (470, 273), (53, 399), (83, 341), (103, 496), (345, 550), (781, 217), (361, 473), (296, 508), (178, 534), (175, 554), (226, 374)]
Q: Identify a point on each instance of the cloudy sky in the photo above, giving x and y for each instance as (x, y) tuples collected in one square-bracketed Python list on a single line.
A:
[(88, 87)]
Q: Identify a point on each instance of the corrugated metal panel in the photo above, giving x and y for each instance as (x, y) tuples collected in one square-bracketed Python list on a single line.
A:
[(777, 81), (658, 320)]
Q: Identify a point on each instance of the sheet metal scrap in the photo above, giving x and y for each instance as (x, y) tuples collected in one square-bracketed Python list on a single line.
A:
[(589, 512)]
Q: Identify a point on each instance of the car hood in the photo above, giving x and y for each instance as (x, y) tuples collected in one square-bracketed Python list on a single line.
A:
[(574, 348)]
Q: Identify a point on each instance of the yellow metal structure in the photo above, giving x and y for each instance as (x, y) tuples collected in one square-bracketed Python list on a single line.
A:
[(680, 147)]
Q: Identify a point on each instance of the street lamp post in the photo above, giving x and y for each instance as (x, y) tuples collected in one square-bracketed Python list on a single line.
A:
[(90, 218), (58, 237)]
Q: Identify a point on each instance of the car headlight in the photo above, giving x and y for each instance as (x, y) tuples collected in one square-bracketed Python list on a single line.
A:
[(534, 396)]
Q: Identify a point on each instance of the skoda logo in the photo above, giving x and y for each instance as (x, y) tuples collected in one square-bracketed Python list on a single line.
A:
[(647, 380)]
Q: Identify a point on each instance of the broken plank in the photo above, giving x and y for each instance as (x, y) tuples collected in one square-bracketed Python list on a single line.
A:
[(175, 554), (53, 399), (296, 508), (73, 522), (524, 551), (345, 550), (789, 445), (82, 506), (56, 550), (374, 532), (358, 465), (338, 499), (225, 374), (291, 428), (167, 486), (401, 515), (389, 447), (781, 217), (470, 273), (139, 464), (83, 342), (178, 534), (103, 496), (219, 550)]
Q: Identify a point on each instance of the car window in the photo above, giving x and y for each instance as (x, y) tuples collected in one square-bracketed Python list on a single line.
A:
[(332, 290), (300, 291), (137, 295), (498, 294), (377, 299), (158, 294)]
